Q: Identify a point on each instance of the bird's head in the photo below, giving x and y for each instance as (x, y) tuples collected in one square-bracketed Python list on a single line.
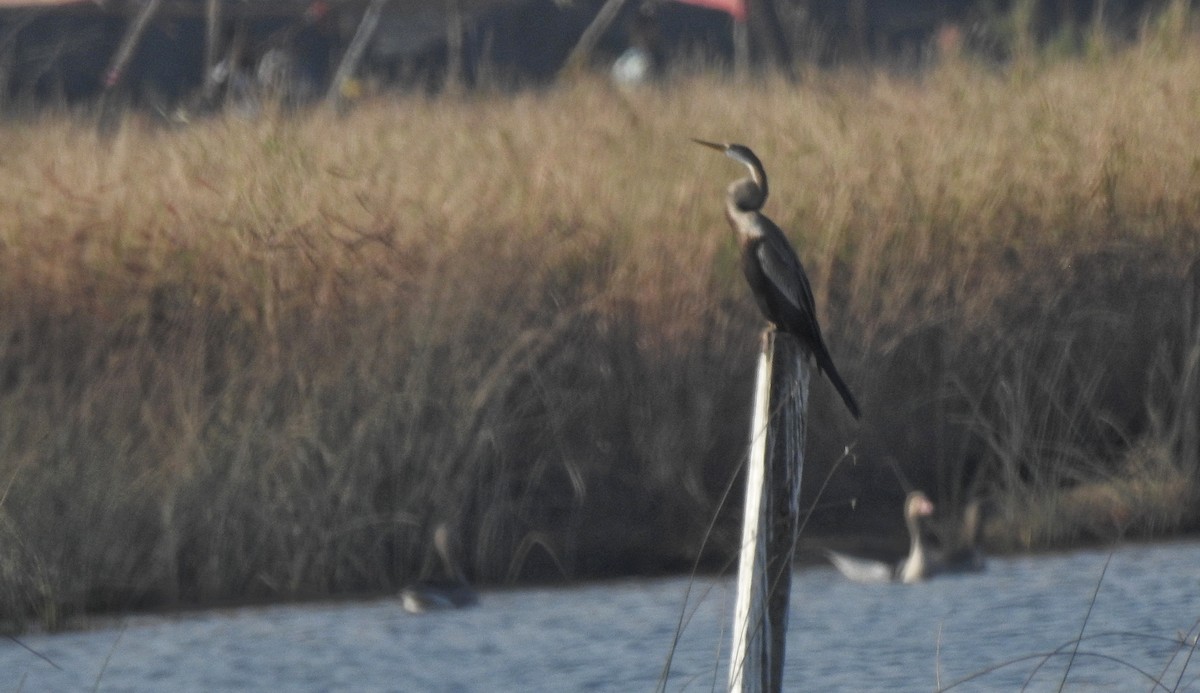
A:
[(738, 152), (743, 155), (917, 504)]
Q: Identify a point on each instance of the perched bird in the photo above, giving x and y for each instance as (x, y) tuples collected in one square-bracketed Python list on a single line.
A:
[(914, 567), (772, 268), (453, 592)]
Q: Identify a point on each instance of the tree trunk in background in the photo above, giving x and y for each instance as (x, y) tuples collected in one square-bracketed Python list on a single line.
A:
[(591, 36), (354, 52), (115, 74), (455, 39), (767, 37), (212, 49)]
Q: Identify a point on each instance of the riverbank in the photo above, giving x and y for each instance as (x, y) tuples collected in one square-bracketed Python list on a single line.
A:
[(261, 359)]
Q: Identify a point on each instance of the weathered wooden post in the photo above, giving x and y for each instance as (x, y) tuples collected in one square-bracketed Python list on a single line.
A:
[(771, 518), (1187, 424)]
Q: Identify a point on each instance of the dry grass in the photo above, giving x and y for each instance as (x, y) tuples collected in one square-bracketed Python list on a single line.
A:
[(260, 358)]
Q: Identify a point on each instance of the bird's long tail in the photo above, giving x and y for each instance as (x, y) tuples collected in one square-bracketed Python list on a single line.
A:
[(825, 363)]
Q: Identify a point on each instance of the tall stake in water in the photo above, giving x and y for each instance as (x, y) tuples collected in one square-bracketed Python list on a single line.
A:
[(785, 298), (770, 519)]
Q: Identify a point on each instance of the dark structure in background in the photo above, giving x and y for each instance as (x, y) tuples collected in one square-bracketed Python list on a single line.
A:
[(67, 51), (192, 51)]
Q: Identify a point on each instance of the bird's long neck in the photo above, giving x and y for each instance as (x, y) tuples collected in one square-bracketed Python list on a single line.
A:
[(742, 205), (759, 177), (748, 194), (441, 543), (971, 525), (914, 565)]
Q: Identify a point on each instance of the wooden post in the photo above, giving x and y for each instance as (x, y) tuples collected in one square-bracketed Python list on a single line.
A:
[(771, 518), (354, 52), (1188, 413)]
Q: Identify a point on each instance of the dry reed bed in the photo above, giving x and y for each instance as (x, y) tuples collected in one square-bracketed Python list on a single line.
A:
[(259, 359)]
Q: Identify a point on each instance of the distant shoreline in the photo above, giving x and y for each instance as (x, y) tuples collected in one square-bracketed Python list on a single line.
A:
[(258, 359)]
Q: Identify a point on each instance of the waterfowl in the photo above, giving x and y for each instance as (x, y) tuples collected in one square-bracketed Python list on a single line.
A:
[(912, 568), (964, 555), (453, 592)]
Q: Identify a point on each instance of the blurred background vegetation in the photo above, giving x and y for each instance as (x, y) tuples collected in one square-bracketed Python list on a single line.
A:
[(260, 357)]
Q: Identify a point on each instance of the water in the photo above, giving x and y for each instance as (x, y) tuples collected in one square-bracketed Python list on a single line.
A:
[(615, 637)]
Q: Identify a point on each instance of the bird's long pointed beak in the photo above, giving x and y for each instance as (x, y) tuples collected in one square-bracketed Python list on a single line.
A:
[(711, 145)]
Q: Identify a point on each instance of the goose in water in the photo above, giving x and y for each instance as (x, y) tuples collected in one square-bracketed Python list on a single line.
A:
[(964, 556), (453, 592), (913, 568)]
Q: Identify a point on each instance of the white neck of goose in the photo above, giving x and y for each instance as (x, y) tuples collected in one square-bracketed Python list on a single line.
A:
[(914, 566)]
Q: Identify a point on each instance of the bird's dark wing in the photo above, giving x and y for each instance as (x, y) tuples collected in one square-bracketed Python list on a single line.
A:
[(790, 303), (781, 266)]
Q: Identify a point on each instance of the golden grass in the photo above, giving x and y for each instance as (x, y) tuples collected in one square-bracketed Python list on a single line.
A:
[(1150, 494), (261, 358)]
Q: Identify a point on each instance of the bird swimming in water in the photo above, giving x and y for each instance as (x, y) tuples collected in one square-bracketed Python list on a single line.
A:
[(453, 592), (963, 554), (772, 268), (914, 567)]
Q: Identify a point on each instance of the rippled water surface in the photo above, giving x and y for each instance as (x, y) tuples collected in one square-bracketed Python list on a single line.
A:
[(616, 636)]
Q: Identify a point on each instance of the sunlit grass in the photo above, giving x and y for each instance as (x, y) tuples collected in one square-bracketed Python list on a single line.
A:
[(261, 358)]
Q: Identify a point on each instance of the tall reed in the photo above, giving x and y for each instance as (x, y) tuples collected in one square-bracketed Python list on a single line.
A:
[(260, 359)]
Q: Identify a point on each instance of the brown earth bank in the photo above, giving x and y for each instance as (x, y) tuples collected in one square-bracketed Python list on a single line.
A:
[(261, 359)]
